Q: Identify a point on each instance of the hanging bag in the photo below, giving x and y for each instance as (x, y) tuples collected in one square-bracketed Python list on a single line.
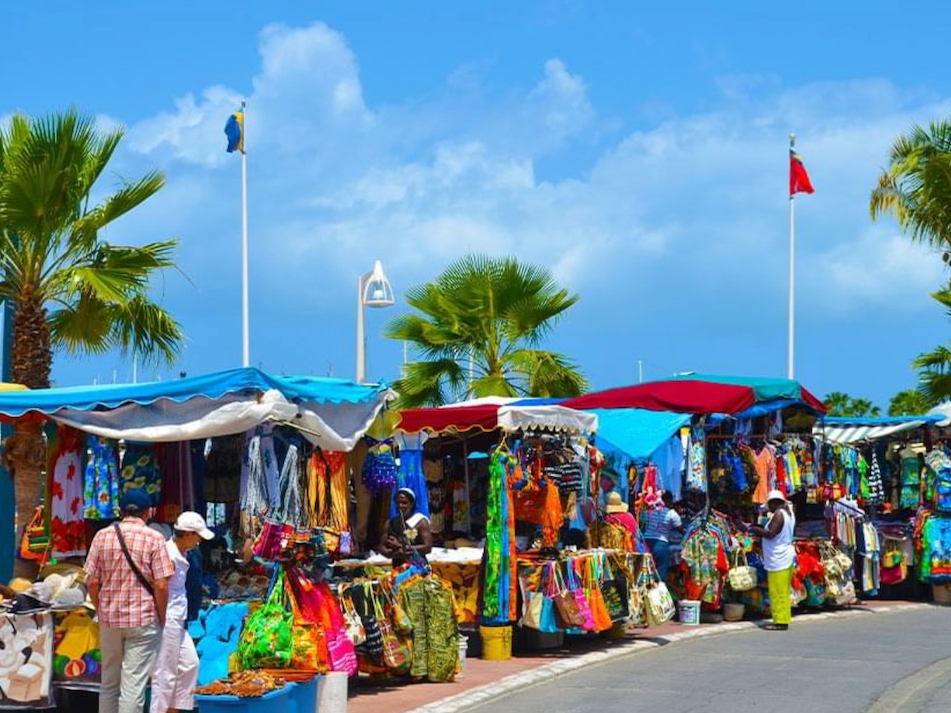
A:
[(397, 655), (567, 612), (660, 605), (352, 622), (599, 610), (373, 643), (581, 599), (742, 576), (614, 591), (267, 641)]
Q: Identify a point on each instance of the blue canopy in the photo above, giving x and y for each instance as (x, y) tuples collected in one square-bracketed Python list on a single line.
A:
[(248, 380), (637, 433)]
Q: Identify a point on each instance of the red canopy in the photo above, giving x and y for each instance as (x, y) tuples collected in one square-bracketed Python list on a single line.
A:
[(700, 395), (457, 419)]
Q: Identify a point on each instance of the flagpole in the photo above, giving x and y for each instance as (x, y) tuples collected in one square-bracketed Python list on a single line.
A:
[(246, 340), (792, 275)]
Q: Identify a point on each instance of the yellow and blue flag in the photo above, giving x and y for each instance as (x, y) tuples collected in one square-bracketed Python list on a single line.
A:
[(234, 130)]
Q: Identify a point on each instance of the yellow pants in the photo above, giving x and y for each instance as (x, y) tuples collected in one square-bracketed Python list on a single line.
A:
[(780, 601)]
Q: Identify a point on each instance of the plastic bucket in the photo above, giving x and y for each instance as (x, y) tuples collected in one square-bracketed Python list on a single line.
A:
[(496, 642), (734, 611), (689, 612)]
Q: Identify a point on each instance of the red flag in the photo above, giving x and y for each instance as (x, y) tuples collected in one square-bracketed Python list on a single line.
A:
[(798, 178)]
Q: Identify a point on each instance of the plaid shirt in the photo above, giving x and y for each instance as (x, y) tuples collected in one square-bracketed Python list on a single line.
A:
[(123, 602)]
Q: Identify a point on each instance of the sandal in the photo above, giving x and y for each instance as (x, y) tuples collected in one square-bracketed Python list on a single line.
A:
[(776, 627)]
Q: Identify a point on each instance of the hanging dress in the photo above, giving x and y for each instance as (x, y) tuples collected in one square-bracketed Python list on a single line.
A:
[(101, 487), (67, 523)]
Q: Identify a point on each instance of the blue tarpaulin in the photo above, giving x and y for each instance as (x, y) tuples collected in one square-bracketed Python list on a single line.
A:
[(298, 389), (636, 432)]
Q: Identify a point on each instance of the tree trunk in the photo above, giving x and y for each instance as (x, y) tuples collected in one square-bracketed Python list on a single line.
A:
[(25, 450)]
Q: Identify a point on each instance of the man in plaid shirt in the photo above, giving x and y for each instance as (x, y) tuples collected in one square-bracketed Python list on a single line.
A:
[(130, 617)]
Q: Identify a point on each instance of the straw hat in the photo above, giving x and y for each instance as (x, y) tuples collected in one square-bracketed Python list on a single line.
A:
[(615, 504), (775, 495)]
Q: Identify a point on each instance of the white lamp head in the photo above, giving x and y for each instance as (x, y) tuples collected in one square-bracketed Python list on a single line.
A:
[(377, 291)]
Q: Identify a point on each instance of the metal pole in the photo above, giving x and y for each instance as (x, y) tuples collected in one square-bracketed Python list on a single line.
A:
[(640, 371), (361, 339), (246, 338), (791, 372)]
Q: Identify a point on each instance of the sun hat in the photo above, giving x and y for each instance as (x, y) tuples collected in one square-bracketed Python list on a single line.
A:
[(408, 492), (615, 504), (775, 495), (193, 522)]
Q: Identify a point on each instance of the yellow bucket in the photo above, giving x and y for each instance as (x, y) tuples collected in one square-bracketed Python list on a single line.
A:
[(496, 642)]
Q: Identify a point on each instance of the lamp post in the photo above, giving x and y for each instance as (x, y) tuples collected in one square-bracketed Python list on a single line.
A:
[(373, 290)]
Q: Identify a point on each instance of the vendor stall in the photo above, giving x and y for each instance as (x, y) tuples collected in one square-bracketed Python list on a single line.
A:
[(264, 457)]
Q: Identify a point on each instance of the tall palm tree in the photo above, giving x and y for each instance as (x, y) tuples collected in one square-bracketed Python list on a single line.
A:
[(910, 402), (863, 408), (915, 188), (69, 288), (481, 324), (837, 403)]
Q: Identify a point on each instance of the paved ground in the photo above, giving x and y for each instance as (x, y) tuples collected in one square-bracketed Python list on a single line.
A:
[(899, 662)]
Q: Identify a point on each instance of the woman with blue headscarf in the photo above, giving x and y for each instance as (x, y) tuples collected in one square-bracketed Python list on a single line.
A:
[(407, 531)]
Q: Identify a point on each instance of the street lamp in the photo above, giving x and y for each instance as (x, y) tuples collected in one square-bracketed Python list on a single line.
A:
[(373, 290)]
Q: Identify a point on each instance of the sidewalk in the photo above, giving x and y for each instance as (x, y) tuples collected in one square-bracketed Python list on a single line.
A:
[(484, 680)]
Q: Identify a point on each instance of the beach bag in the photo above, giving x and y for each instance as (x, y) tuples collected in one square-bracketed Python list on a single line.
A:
[(581, 598), (396, 652), (599, 609), (846, 594), (567, 612), (353, 623), (267, 640), (742, 577), (660, 604), (614, 592)]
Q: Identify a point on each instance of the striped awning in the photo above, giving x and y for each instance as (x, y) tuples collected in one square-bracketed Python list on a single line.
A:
[(854, 430)]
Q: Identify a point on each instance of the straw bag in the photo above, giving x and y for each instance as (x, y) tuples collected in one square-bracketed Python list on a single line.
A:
[(742, 577)]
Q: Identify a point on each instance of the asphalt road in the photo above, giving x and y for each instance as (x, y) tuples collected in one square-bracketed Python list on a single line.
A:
[(880, 663)]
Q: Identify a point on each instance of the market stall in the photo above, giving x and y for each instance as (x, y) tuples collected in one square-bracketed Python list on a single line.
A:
[(264, 457)]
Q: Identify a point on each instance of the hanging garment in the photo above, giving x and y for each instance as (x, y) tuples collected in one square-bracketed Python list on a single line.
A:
[(101, 487), (765, 464), (910, 482), (876, 490), (174, 461), (429, 604), (328, 493), (697, 474), (411, 476), (65, 488), (290, 508), (140, 470)]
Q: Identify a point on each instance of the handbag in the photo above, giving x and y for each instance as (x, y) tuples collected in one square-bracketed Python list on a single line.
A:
[(660, 605), (267, 641), (567, 612), (581, 598), (599, 610), (742, 577), (614, 592), (356, 632), (396, 652)]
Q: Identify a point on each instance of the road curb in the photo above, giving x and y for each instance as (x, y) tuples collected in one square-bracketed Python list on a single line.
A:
[(520, 681)]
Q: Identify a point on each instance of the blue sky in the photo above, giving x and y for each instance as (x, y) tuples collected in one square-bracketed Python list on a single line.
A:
[(639, 152)]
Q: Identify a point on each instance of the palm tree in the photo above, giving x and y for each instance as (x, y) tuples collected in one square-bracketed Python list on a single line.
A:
[(934, 367), (863, 408), (69, 288), (915, 188), (837, 403), (482, 322), (909, 403)]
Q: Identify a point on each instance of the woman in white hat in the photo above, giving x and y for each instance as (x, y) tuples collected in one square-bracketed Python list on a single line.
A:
[(176, 666), (779, 557)]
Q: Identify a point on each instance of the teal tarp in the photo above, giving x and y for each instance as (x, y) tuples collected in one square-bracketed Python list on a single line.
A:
[(637, 432)]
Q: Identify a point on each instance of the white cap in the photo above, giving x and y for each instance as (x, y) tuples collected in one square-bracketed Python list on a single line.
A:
[(775, 495), (193, 522)]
